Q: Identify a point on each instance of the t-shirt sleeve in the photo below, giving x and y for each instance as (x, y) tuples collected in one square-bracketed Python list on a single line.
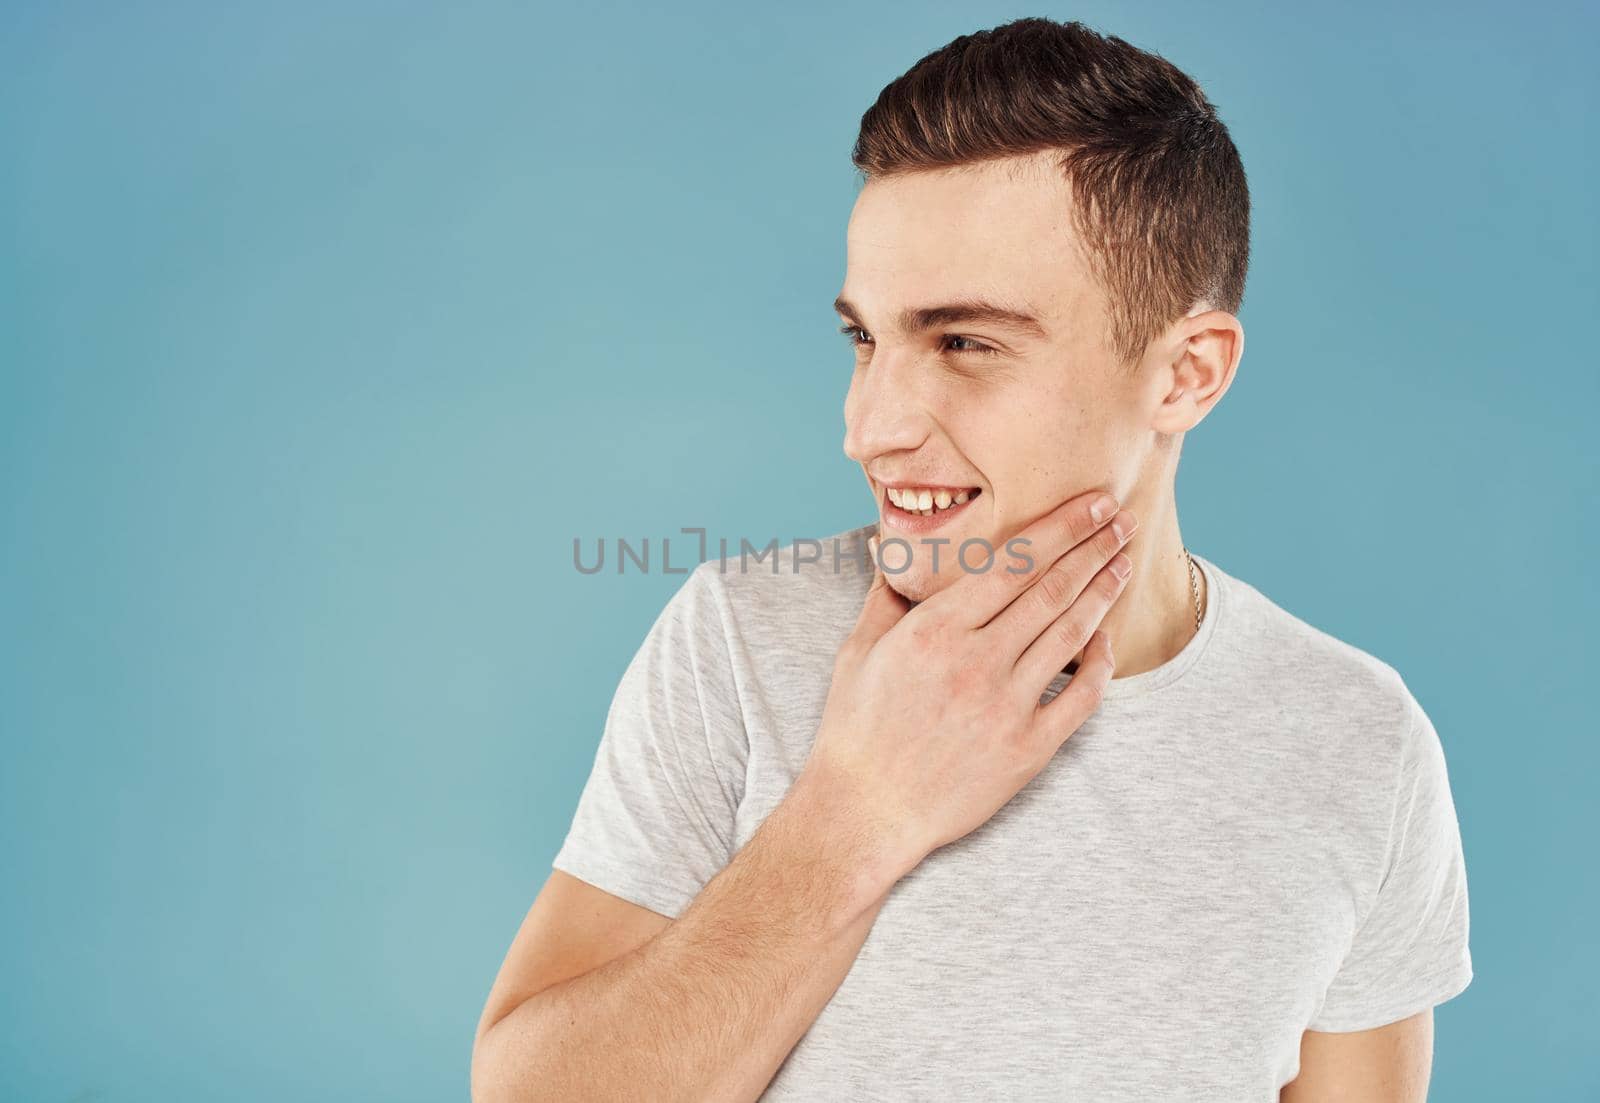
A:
[(655, 820), (1410, 951)]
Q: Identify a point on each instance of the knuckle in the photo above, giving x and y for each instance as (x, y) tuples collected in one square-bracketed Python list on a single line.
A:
[(969, 678), (1055, 588), (932, 642), (1070, 631), (1095, 688), (1011, 584), (1016, 578), (1109, 585), (1083, 529), (1093, 692)]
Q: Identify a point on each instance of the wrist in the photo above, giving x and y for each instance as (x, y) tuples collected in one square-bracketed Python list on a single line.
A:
[(868, 851)]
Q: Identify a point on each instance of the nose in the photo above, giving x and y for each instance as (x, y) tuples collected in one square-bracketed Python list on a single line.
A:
[(883, 412)]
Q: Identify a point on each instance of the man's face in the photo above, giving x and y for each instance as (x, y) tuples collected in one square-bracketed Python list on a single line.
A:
[(998, 420)]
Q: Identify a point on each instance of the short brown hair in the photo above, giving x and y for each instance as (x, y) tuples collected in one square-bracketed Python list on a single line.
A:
[(1159, 191)]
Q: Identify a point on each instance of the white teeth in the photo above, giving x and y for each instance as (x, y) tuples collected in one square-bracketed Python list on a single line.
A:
[(925, 503)]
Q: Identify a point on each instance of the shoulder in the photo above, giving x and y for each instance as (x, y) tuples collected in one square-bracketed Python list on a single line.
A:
[(1339, 728), (1354, 702), (811, 587)]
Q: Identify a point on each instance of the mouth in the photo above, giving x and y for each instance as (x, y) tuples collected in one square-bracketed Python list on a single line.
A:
[(924, 508)]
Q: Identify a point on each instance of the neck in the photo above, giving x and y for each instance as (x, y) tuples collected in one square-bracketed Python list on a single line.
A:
[(1155, 616)]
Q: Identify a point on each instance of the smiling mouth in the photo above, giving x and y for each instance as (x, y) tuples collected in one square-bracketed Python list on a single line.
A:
[(928, 501)]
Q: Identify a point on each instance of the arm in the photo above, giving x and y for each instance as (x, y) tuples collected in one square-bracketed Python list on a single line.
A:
[(710, 1006), (1389, 1064)]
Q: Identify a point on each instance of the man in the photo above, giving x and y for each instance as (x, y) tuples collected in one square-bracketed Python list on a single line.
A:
[(898, 832)]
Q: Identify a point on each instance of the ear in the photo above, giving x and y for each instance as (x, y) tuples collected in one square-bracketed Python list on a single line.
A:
[(1199, 356)]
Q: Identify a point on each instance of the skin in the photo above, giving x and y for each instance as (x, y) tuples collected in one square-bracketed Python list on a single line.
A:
[(932, 719), (1042, 417)]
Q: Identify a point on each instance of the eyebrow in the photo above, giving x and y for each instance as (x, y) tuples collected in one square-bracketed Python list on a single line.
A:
[(918, 319)]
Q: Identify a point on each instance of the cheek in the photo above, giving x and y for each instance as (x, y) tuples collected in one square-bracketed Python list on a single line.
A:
[(1039, 456)]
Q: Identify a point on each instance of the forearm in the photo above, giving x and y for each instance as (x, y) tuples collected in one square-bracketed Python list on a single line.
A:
[(710, 1007)]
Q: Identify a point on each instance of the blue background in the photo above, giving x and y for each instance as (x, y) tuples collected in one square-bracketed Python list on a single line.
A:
[(324, 332)]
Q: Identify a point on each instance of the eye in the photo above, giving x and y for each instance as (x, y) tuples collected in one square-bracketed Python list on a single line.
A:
[(850, 332), (858, 338), (976, 349)]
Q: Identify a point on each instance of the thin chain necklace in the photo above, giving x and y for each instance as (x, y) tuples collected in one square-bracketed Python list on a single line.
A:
[(1194, 584)]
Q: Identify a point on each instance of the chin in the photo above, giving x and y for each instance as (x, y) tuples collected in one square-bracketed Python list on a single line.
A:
[(919, 582), (930, 569)]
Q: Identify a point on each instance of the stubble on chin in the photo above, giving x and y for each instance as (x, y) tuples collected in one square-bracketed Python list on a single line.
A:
[(927, 574), (917, 585)]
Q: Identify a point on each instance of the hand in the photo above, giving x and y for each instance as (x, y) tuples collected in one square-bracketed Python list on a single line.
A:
[(933, 720)]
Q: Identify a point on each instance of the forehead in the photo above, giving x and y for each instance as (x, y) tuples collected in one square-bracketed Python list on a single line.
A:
[(998, 228)]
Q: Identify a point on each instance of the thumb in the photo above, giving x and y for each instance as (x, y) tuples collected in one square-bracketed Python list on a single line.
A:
[(882, 608)]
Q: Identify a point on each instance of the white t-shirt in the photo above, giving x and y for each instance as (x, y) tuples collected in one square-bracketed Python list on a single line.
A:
[(1254, 839)]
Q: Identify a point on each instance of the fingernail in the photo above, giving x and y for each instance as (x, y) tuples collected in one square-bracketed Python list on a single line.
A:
[(1102, 508)]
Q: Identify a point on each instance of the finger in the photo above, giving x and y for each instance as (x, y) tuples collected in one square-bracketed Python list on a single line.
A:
[(1070, 631), (1039, 606), (882, 608), (977, 596), (1054, 723)]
